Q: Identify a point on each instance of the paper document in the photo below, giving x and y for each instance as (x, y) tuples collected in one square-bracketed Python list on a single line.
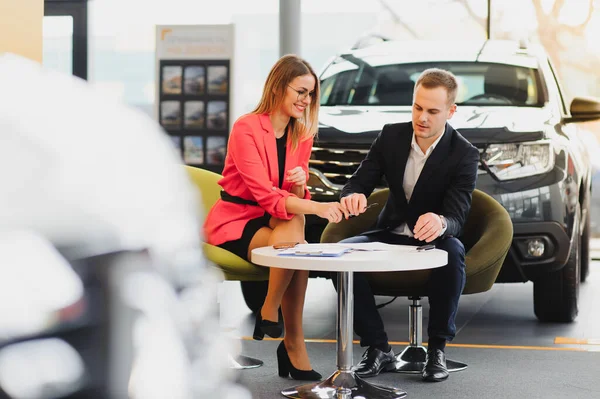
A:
[(377, 246), (315, 250), (369, 246)]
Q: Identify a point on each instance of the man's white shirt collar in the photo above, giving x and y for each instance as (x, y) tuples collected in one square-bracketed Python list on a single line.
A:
[(416, 147)]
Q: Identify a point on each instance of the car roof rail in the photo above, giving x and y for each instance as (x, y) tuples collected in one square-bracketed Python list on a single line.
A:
[(523, 45), (368, 40)]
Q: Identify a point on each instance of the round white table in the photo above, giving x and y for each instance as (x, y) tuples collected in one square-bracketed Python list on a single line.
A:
[(344, 383)]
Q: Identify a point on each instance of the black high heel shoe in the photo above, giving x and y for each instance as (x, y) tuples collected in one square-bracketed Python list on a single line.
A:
[(262, 327), (285, 367)]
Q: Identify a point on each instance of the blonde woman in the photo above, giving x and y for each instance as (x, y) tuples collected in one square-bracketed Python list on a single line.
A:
[(265, 198)]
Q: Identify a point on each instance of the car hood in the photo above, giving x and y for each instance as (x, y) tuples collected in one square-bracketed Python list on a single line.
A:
[(477, 124)]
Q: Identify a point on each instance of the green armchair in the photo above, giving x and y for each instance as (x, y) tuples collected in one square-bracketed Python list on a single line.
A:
[(233, 267), (487, 236)]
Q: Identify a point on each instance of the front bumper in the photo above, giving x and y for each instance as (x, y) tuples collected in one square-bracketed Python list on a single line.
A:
[(519, 267), (535, 213)]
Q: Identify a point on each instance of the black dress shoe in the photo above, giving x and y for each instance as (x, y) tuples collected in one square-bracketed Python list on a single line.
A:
[(435, 366), (285, 367), (375, 361), (262, 327)]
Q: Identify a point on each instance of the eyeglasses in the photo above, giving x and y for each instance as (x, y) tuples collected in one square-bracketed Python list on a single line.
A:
[(302, 94)]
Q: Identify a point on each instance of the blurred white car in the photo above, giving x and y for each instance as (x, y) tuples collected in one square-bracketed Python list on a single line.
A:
[(105, 289)]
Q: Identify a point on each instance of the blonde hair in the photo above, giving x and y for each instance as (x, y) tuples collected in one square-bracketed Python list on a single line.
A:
[(435, 77), (286, 69)]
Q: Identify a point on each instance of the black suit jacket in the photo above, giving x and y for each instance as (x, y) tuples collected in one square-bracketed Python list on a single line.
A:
[(445, 185)]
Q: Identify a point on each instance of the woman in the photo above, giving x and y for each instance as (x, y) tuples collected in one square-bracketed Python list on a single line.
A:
[(265, 198)]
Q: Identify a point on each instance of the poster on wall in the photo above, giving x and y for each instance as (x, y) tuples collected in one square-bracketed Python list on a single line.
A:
[(193, 81)]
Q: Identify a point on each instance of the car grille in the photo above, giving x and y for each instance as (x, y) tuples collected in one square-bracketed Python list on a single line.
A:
[(336, 163), (480, 170)]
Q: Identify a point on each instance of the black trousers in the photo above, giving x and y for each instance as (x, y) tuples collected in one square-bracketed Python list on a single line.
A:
[(445, 287)]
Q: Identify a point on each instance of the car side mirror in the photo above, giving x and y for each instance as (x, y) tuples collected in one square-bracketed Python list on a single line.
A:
[(584, 109)]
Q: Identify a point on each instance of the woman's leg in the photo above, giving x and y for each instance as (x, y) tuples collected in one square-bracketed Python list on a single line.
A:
[(286, 288), (279, 279), (292, 307)]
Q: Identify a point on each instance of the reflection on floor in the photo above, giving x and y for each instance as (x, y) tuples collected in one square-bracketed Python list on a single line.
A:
[(509, 352)]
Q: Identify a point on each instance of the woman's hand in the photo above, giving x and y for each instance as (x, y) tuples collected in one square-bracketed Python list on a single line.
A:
[(332, 211), (296, 176)]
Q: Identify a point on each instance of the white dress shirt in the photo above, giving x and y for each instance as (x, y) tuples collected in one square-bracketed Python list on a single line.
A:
[(414, 165)]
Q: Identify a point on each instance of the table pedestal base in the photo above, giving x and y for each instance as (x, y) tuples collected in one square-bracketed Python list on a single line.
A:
[(343, 385), (241, 362), (412, 360)]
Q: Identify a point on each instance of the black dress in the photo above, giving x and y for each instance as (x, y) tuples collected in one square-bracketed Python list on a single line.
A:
[(240, 246)]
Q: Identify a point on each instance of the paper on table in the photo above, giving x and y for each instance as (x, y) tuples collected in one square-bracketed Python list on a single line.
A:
[(315, 250), (377, 246)]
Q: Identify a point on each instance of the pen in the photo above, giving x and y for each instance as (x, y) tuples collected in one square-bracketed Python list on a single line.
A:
[(368, 206), (426, 247)]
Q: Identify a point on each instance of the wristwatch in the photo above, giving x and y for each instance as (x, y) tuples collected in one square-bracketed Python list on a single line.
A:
[(444, 225)]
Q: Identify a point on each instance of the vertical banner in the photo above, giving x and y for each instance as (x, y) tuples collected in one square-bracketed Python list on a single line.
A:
[(193, 80)]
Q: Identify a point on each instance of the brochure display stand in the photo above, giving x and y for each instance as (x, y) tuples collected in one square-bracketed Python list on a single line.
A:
[(193, 74)]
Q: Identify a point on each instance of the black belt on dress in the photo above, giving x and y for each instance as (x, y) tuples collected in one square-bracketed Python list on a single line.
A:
[(225, 196)]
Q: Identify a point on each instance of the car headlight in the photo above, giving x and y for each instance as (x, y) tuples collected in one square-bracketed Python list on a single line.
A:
[(514, 161)]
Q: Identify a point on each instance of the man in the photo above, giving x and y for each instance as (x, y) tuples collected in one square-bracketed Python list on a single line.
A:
[(431, 171)]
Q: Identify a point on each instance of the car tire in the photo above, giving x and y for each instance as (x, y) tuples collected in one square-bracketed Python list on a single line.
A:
[(585, 241), (254, 293), (555, 296)]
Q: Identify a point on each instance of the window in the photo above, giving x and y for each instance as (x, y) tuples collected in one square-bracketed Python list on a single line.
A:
[(65, 36), (480, 84), (58, 43)]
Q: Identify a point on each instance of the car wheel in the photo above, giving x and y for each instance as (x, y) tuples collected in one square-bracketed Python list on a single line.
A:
[(555, 296), (254, 293), (585, 242)]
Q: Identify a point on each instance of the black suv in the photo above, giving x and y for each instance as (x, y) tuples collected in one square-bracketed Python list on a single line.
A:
[(512, 109)]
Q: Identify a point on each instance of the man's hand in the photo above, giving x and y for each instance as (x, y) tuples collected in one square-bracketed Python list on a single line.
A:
[(355, 203), (296, 176), (428, 227)]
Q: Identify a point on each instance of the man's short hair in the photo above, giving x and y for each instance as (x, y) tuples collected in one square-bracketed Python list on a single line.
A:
[(435, 77)]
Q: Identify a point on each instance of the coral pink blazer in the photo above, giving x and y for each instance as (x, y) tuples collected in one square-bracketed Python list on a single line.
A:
[(251, 172)]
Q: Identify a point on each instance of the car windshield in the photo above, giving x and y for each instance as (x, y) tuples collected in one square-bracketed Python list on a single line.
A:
[(352, 81)]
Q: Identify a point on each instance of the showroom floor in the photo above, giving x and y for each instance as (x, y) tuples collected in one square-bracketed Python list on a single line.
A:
[(509, 353)]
